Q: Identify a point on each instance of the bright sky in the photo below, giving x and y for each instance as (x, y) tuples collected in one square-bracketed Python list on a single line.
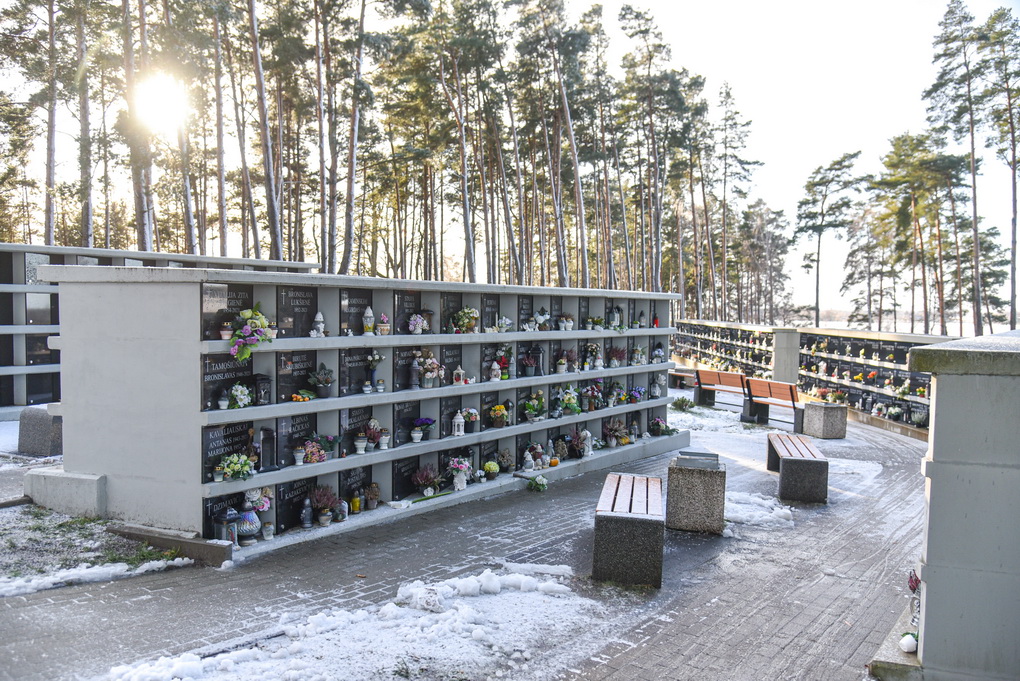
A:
[(817, 80)]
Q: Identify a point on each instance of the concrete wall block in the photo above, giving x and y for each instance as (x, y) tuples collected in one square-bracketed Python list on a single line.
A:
[(40, 433), (824, 420), (71, 493), (804, 480)]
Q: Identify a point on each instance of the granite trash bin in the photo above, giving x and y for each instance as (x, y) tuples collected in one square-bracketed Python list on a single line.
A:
[(696, 493)]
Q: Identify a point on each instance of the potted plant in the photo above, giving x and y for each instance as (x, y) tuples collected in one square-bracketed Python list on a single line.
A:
[(314, 453), (383, 327), (422, 426), (417, 324), (894, 413), (321, 380), (459, 468), (470, 415), (429, 369), (614, 432), (617, 355), (568, 321), (372, 493), (498, 416), (561, 365), (568, 401), (636, 394), (491, 469), (529, 363), (534, 406), (373, 433), (425, 479), (504, 324), (324, 500)]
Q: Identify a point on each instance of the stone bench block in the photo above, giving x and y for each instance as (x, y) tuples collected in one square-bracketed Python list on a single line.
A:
[(825, 420), (804, 479), (696, 494), (628, 549), (40, 433)]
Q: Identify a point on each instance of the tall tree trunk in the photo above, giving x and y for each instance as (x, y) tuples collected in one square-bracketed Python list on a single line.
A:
[(246, 194), (557, 197), (221, 173), (272, 198), (84, 132), (582, 239), (458, 113), (320, 120), (352, 146), (51, 126), (978, 330)]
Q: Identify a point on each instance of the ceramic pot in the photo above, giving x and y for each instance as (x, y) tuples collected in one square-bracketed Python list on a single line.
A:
[(491, 475), (383, 329), (459, 481), (416, 435), (322, 391), (325, 518), (268, 531)]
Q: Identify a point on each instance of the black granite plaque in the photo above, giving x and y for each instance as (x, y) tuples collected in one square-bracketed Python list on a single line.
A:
[(354, 479), (449, 305), (290, 499), (352, 422), (219, 373), (353, 303), (489, 351), (296, 307), (219, 441), (582, 311), (490, 310), (404, 414), (554, 353), (488, 451), (292, 371), (488, 401), (448, 406), (525, 310), (403, 358), (222, 303), (555, 309), (405, 304), (211, 507), (451, 357), (354, 370), (522, 442), (403, 469), (522, 395), (631, 311), (292, 431)]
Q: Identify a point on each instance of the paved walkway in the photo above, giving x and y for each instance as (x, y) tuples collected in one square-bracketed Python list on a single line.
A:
[(812, 602)]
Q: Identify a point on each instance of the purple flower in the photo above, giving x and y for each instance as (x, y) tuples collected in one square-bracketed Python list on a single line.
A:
[(252, 341), (233, 351), (246, 330), (238, 342)]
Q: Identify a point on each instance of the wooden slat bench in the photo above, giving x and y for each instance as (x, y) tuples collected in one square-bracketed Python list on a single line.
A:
[(709, 382), (679, 377), (629, 523), (803, 470), (762, 394)]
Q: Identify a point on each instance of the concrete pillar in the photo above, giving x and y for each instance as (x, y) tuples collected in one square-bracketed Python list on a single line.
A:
[(970, 563), (786, 355)]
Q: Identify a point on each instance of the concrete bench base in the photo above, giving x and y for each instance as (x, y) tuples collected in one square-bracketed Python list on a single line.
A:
[(40, 433), (804, 480), (824, 420), (696, 494), (628, 549)]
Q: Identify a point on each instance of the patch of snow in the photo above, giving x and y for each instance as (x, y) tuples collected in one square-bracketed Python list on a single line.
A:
[(19, 586), (539, 569), (477, 634), (758, 510)]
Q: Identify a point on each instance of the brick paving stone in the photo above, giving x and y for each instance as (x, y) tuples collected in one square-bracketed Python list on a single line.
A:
[(772, 604)]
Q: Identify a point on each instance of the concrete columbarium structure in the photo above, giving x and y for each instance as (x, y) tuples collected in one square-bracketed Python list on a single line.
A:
[(145, 368), (970, 561)]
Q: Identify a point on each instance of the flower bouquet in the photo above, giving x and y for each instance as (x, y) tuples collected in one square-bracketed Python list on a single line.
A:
[(498, 416), (374, 359), (240, 396), (459, 465), (539, 483), (314, 453), (568, 401), (636, 394), (260, 498), (417, 324), (237, 467), (534, 406), (464, 320), (251, 328), (425, 479)]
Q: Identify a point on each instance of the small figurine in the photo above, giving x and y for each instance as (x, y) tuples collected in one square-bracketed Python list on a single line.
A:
[(529, 463), (318, 327), (495, 372), (585, 436), (599, 364)]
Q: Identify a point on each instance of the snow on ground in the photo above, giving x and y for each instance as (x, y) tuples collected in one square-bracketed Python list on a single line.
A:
[(758, 510), (481, 626), (19, 586), (8, 436)]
